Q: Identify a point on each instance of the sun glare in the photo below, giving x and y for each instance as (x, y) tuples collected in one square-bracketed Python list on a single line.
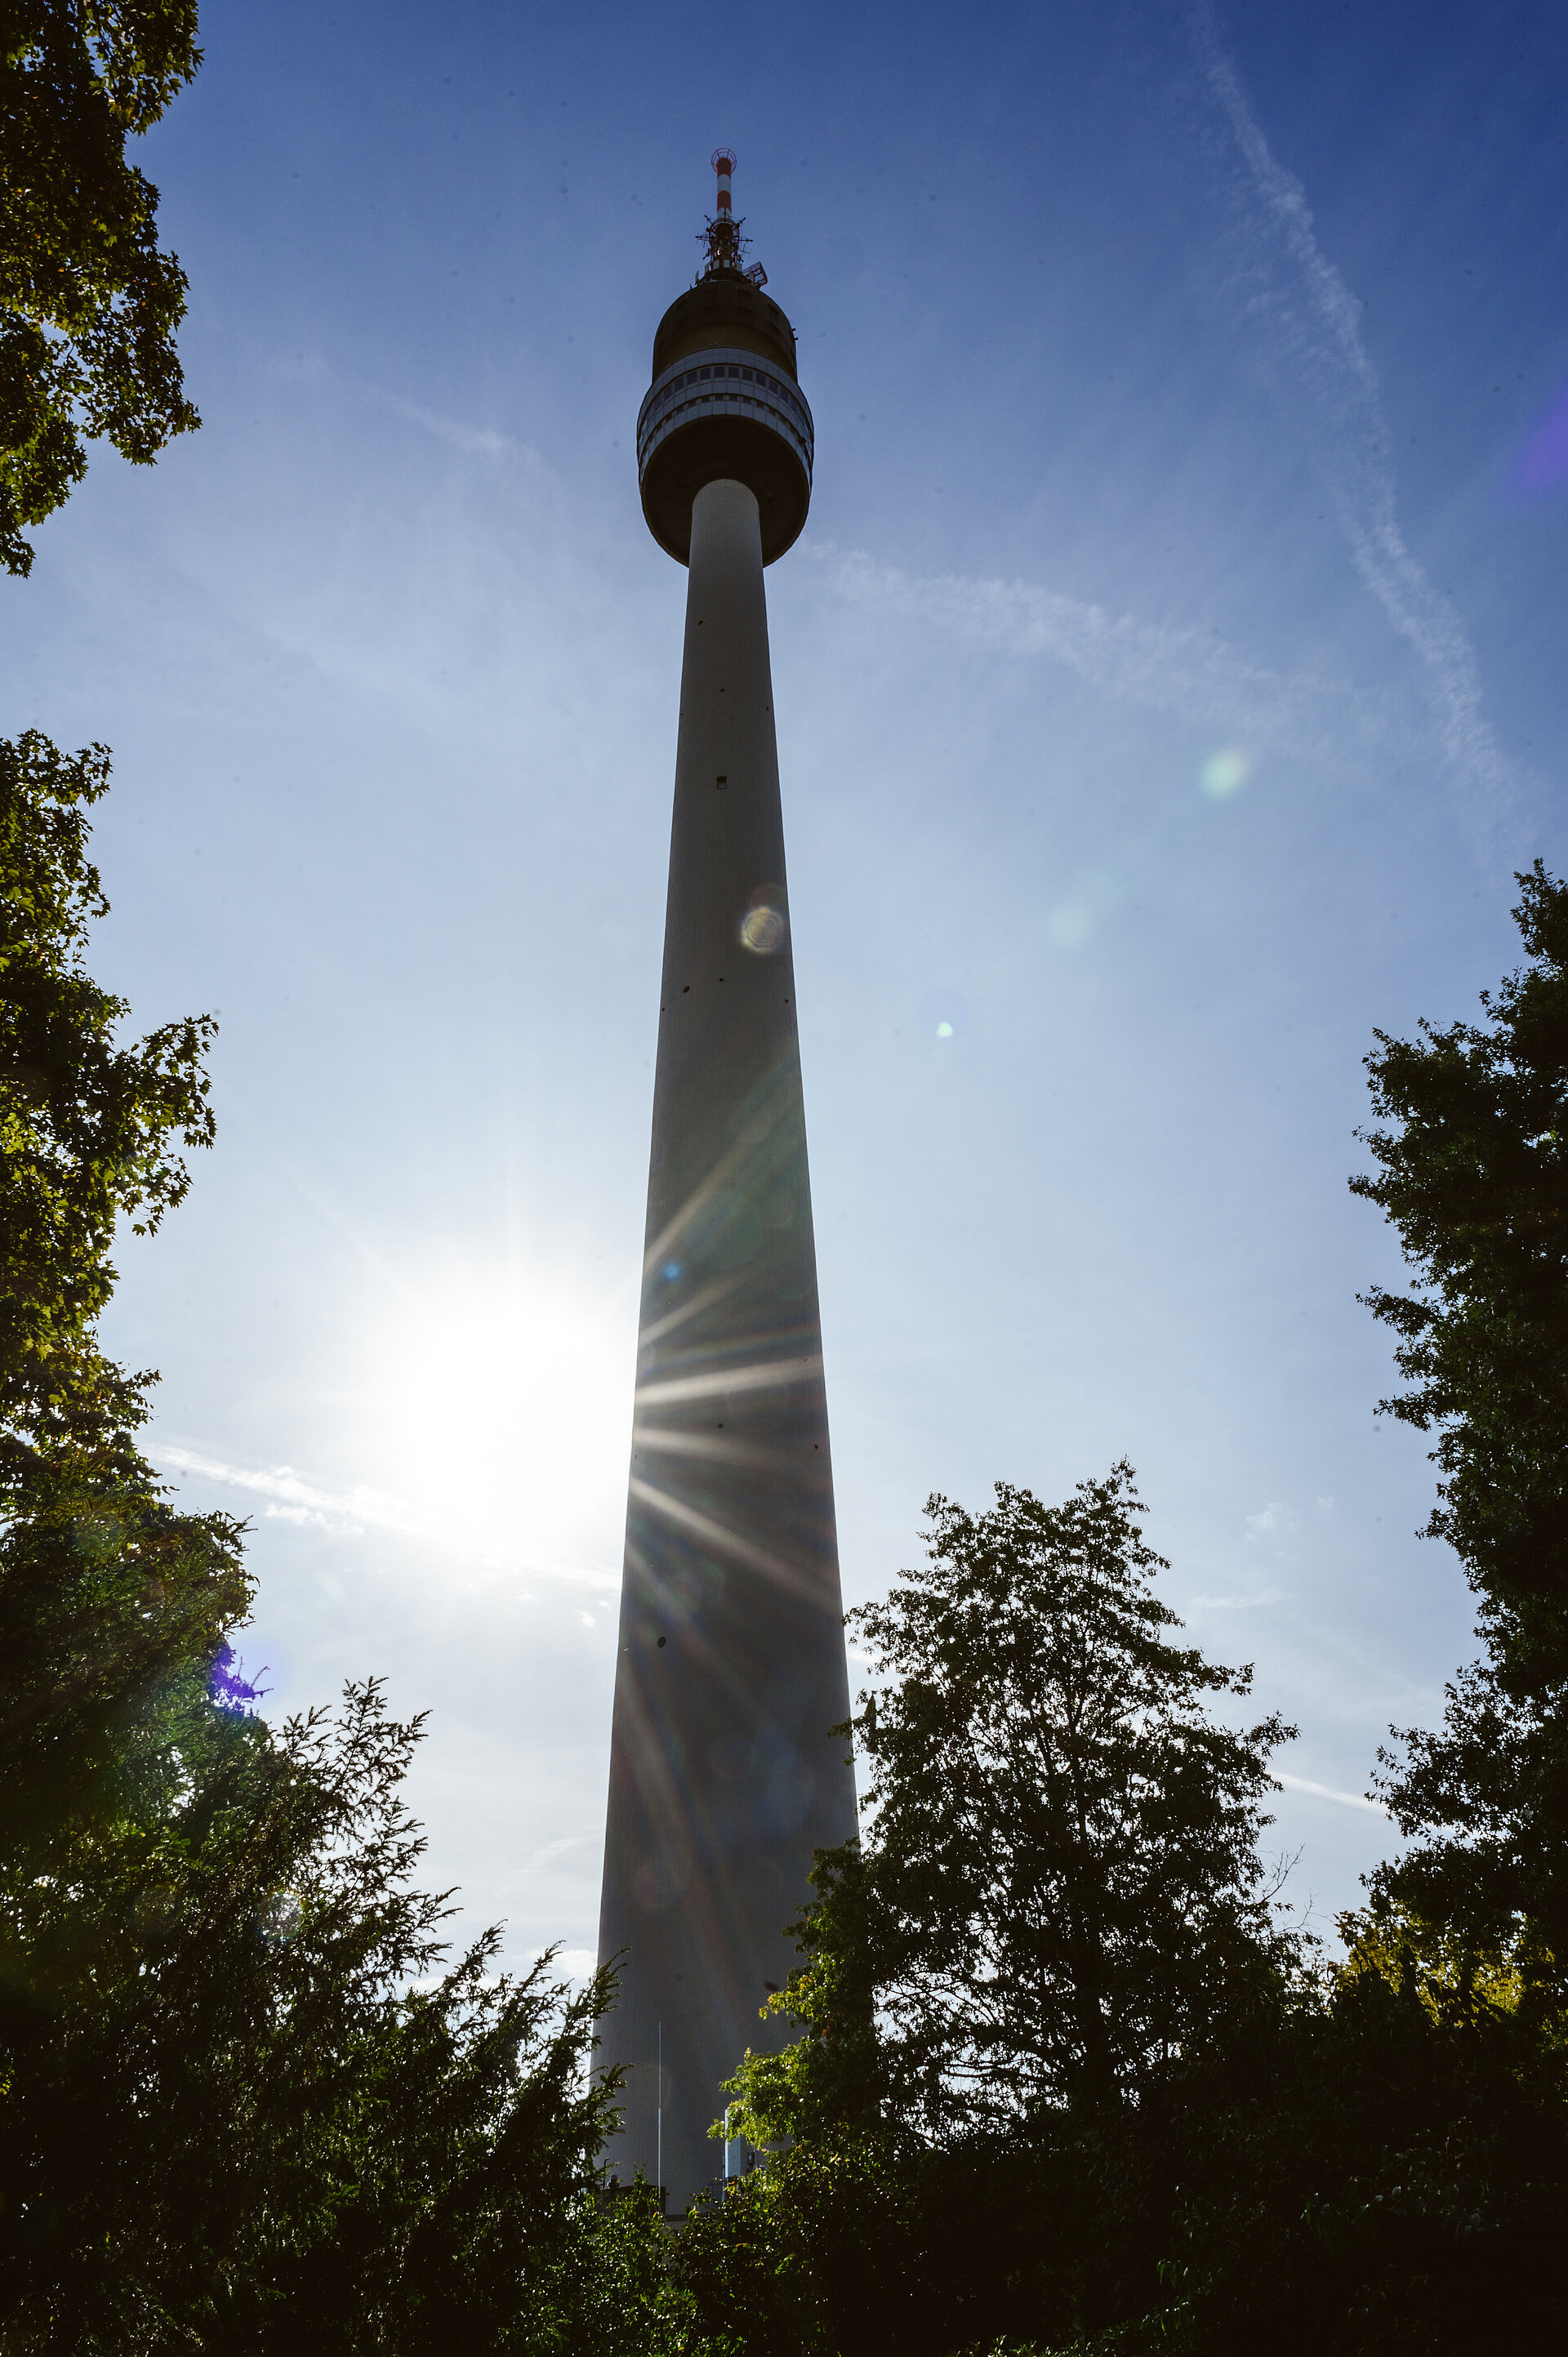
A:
[(496, 1407)]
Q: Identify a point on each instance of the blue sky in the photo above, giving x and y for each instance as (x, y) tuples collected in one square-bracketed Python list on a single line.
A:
[(1169, 680)]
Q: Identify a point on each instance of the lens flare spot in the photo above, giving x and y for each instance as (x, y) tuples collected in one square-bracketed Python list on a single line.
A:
[(1225, 773), (671, 1271), (1069, 926), (1094, 895), (228, 1687), (282, 1921), (1542, 463), (761, 930), (723, 1231), (656, 1884), (943, 1013)]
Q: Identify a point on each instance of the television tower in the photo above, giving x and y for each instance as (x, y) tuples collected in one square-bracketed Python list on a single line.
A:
[(731, 1666)]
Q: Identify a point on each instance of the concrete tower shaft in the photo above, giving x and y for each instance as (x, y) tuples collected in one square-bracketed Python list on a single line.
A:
[(731, 1666)]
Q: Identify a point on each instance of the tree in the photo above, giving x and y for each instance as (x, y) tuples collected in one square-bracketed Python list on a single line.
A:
[(1057, 1905), (1356, 2174), (102, 1588), (88, 303), (245, 2103), (1060, 1886), (88, 1125), (1475, 1178), (1472, 1167), (89, 1128)]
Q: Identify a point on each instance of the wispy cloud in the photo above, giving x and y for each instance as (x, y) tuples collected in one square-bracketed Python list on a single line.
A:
[(322, 1518), (1318, 323), (352, 1513), (1315, 324), (1273, 1521), (547, 1854), (1328, 1792), (349, 1510), (478, 441), (1161, 666)]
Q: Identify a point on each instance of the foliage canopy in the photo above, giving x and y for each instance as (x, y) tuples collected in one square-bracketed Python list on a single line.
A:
[(1471, 1156), (1061, 1887), (247, 2104), (89, 302), (90, 1127), (1064, 2086)]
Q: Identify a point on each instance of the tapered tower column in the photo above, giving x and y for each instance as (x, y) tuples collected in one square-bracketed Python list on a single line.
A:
[(731, 1670)]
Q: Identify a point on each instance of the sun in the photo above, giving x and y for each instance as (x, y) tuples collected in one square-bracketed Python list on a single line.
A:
[(492, 1406)]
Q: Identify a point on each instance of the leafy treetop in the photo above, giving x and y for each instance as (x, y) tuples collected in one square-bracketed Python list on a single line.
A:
[(88, 304), (90, 1128), (1060, 1887), (1472, 1155)]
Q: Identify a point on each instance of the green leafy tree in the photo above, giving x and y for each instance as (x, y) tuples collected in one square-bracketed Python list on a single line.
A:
[(90, 1127), (1060, 1886), (1354, 2174), (1058, 1902), (88, 303), (1471, 1155), (245, 2102), (102, 1588), (1472, 1168)]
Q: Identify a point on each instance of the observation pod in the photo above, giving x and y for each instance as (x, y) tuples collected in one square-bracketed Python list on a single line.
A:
[(725, 405), (731, 1667)]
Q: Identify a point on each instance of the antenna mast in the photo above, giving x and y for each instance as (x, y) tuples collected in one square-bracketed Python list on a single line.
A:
[(722, 236)]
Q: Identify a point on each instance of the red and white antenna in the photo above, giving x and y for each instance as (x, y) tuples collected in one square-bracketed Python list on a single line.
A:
[(724, 161), (722, 237)]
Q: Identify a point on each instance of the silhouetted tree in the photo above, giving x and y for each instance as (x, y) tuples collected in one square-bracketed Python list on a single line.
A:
[(91, 1128), (88, 304), (1472, 1168), (1060, 1885), (102, 1588), (1058, 1901), (1063, 2084), (247, 2105)]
